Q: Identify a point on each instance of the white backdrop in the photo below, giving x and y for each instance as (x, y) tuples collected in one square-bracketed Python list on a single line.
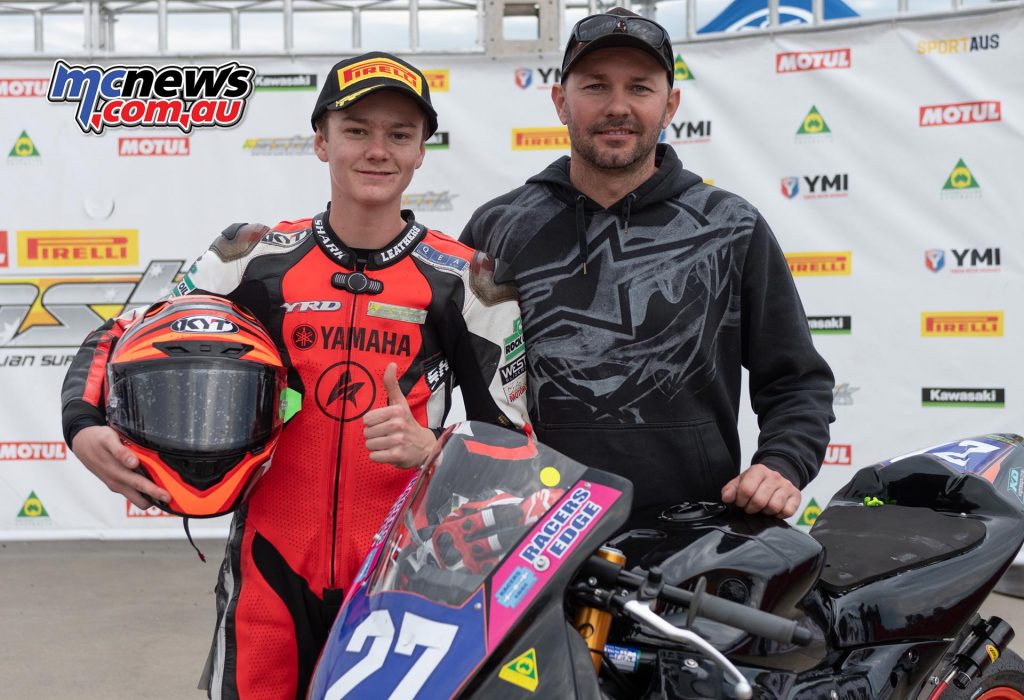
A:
[(906, 238)]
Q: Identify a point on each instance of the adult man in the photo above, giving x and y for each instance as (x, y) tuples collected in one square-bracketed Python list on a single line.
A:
[(368, 307), (643, 291)]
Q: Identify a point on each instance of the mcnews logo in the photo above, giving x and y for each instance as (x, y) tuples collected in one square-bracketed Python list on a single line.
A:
[(962, 324), (978, 398), (820, 264), (172, 96)]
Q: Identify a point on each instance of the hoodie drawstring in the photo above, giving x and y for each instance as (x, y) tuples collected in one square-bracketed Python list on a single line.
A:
[(626, 210), (581, 229)]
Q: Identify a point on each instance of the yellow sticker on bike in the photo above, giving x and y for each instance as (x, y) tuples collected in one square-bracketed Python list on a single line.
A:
[(522, 670)]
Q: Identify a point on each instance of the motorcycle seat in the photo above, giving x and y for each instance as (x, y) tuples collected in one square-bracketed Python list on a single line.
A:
[(864, 544)]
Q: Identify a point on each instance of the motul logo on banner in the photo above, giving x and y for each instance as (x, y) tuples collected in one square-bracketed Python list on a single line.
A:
[(795, 61), (841, 455), (10, 451), (3, 249), (961, 113), (153, 146), (24, 87)]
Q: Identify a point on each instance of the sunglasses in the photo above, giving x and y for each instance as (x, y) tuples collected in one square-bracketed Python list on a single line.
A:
[(595, 27)]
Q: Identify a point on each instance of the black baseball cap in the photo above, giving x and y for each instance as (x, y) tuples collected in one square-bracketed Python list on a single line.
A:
[(354, 78), (619, 27)]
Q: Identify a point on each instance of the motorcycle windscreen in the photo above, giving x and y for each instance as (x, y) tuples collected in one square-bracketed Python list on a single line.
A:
[(420, 618)]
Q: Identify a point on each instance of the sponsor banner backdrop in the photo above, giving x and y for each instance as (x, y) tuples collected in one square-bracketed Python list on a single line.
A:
[(883, 157)]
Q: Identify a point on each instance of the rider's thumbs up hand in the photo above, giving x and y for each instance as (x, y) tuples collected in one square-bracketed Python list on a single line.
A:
[(392, 434)]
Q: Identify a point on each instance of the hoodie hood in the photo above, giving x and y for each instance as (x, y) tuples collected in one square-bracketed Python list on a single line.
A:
[(669, 181)]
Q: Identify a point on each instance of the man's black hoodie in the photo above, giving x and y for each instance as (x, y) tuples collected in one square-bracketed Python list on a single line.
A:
[(637, 319)]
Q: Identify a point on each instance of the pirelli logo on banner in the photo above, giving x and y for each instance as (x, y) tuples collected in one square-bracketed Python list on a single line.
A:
[(153, 146), (95, 248), (962, 324), (961, 113), (438, 80), (555, 138), (24, 87), (820, 264), (797, 61)]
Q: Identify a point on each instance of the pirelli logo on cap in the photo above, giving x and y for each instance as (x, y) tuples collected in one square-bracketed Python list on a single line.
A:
[(962, 324), (820, 264), (539, 139), (378, 68), (438, 79), (87, 248)]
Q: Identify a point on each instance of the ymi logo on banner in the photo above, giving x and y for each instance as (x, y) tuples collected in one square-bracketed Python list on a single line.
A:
[(816, 186), (23, 87), (538, 139), (78, 248), (965, 260), (689, 132), (962, 324), (133, 511), (798, 61), (429, 201), (153, 146), (285, 81), (34, 451), (538, 78), (960, 113), (820, 264), (830, 325), (839, 455), (978, 398)]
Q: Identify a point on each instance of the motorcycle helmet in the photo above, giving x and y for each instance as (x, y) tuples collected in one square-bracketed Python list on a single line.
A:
[(195, 390)]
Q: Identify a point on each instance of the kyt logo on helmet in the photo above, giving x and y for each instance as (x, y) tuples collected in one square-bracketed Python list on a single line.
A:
[(196, 390)]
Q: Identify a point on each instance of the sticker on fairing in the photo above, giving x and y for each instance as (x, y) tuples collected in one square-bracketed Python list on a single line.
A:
[(396, 313), (518, 585)]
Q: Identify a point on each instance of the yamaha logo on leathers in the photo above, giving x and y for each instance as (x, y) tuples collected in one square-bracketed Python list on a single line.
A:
[(345, 391)]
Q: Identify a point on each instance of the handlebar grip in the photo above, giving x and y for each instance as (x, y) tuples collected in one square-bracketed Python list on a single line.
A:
[(752, 620)]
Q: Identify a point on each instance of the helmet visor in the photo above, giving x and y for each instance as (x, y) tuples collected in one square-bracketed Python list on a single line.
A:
[(203, 406)]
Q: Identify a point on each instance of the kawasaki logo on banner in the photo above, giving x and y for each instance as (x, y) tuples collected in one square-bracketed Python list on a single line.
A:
[(830, 325), (978, 398)]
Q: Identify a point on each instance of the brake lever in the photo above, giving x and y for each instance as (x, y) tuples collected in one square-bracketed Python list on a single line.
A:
[(641, 612)]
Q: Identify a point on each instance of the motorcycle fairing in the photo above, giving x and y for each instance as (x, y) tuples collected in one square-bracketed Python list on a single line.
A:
[(981, 455), (400, 645), (377, 649)]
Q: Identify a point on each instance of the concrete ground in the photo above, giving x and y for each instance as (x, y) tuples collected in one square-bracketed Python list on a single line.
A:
[(102, 620)]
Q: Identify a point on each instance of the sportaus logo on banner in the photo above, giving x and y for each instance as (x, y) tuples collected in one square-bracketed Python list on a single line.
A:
[(144, 96)]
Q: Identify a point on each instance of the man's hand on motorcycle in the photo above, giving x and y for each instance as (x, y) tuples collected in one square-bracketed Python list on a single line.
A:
[(100, 449), (761, 489), (392, 434)]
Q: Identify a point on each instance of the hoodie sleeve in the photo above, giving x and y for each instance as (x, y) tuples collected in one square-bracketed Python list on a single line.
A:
[(790, 383)]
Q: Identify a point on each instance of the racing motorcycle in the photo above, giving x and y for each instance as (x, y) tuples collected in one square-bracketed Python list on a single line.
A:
[(504, 571)]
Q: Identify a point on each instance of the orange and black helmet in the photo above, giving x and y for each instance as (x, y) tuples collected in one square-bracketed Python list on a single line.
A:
[(195, 390)]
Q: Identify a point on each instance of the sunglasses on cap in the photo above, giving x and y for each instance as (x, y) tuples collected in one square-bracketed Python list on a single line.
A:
[(591, 28), (613, 29)]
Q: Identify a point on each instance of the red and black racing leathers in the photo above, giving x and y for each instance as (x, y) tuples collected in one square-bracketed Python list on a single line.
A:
[(338, 316)]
